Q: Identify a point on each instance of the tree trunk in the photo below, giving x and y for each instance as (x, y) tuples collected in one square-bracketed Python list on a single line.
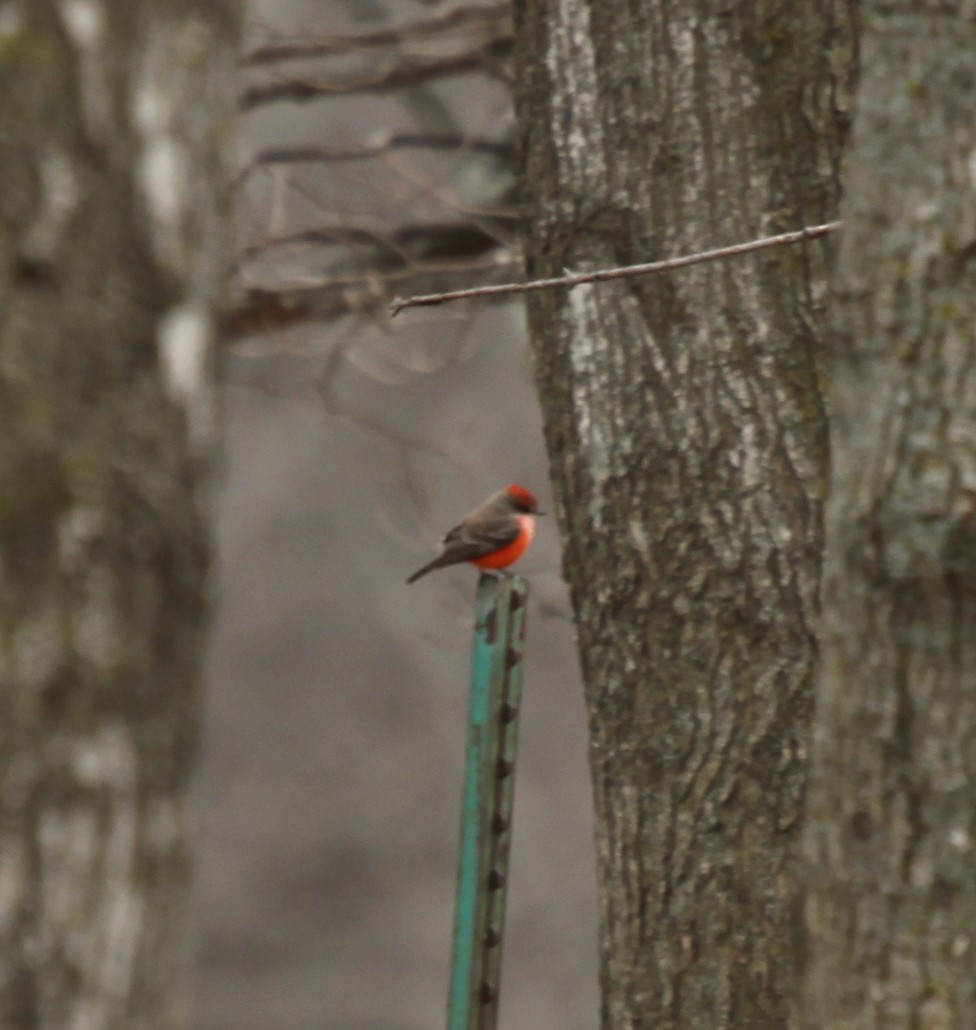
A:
[(686, 433), (892, 907), (114, 240)]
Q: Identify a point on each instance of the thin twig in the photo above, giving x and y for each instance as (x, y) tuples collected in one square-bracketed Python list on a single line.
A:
[(811, 232)]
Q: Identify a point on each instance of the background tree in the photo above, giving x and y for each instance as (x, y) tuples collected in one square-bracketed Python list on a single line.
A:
[(892, 906), (114, 235)]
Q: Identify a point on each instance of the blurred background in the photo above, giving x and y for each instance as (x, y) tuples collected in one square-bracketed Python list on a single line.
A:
[(327, 795)]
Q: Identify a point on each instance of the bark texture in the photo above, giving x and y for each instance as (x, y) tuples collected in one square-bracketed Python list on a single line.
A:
[(892, 907), (114, 134), (685, 426)]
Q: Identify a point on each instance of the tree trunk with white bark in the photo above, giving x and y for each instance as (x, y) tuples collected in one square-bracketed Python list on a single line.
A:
[(117, 125)]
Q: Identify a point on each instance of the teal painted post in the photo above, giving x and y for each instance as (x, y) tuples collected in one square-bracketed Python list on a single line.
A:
[(486, 810), (500, 813)]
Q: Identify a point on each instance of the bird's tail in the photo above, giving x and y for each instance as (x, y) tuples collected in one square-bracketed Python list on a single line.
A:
[(429, 567)]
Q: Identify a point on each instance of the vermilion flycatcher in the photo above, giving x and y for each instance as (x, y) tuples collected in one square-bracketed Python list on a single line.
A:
[(492, 536)]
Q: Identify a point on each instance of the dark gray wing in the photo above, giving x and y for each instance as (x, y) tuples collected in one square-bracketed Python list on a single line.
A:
[(464, 543)]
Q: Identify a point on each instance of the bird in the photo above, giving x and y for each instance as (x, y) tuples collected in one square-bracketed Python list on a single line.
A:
[(491, 537)]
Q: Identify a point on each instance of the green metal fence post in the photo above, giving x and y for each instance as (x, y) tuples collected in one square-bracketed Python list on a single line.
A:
[(486, 812)]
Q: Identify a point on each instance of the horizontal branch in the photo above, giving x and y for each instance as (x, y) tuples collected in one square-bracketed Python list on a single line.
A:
[(325, 236), (413, 241), (385, 143), (406, 71), (466, 18), (627, 271)]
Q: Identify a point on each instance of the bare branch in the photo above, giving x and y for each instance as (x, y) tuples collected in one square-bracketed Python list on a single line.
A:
[(362, 267), (465, 18), (604, 274), (421, 241), (328, 235), (378, 147), (408, 71)]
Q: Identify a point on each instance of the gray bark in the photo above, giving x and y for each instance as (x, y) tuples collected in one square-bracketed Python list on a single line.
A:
[(892, 905), (685, 428), (114, 234)]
